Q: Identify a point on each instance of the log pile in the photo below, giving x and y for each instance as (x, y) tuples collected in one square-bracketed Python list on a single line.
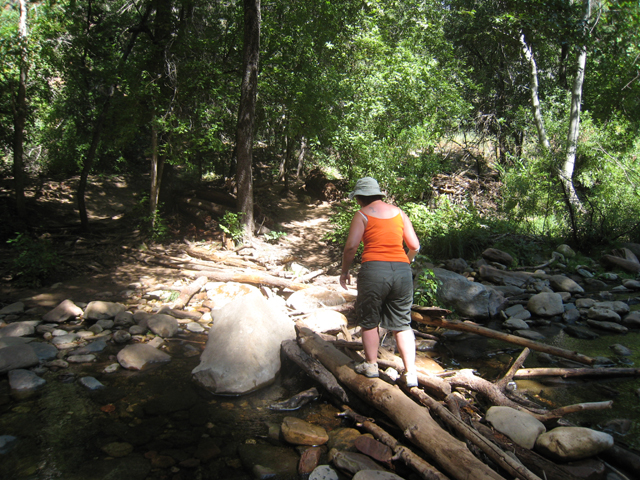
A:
[(436, 410)]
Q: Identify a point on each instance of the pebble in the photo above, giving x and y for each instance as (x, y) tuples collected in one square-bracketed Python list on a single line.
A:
[(91, 383)]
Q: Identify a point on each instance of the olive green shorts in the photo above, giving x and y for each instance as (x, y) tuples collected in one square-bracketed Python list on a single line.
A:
[(385, 295)]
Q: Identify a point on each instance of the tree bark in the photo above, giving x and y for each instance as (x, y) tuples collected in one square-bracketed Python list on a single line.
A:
[(567, 170), (420, 428), (246, 115), (20, 116), (543, 140)]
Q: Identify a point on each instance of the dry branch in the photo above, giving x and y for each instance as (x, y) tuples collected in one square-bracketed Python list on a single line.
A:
[(189, 291), (576, 372), (423, 468), (487, 332), (491, 450)]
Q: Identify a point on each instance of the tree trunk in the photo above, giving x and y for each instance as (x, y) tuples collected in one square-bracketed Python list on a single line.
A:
[(20, 117), (414, 420), (543, 140), (301, 155), (248, 91), (567, 170), (157, 166)]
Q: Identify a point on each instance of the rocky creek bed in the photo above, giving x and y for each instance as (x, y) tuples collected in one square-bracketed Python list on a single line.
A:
[(79, 398)]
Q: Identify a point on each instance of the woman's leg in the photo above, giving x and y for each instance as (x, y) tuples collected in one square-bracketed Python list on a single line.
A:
[(406, 342), (370, 342)]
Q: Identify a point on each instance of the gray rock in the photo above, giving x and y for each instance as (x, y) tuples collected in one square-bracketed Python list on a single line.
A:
[(94, 347), (632, 320), (458, 265), (68, 340), (10, 341), (280, 461), (498, 256), (500, 277), (585, 303), (562, 283), (571, 315), (138, 330), (324, 472), (582, 333), (470, 299), (19, 329), (99, 310), (124, 319), (243, 350), (121, 336), (24, 381), (609, 326), (13, 309), (375, 475), (7, 443), (17, 357), (530, 334), (603, 314), (63, 312), (353, 462), (44, 351), (140, 355), (106, 323), (523, 428), (91, 383), (310, 299), (163, 325), (621, 350), (514, 310), (621, 308), (568, 444), (546, 304), (566, 251), (89, 358), (194, 327), (515, 324), (631, 284)]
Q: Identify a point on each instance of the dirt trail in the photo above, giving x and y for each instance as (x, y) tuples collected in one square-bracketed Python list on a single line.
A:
[(111, 268)]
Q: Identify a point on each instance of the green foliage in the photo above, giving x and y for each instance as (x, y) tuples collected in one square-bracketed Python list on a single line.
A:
[(273, 236), (231, 224), (35, 260), (426, 288), (448, 230), (153, 224)]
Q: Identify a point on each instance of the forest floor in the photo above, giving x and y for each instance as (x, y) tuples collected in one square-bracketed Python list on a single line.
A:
[(102, 262)]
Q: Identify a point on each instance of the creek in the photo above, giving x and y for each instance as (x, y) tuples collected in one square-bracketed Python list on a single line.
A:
[(156, 424)]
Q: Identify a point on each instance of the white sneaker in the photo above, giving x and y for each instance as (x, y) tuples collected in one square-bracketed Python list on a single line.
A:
[(411, 379), (367, 369)]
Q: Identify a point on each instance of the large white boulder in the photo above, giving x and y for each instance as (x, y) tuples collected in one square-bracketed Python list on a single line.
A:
[(568, 444), (243, 350), (521, 427)]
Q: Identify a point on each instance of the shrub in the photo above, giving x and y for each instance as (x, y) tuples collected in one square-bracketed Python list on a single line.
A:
[(35, 261)]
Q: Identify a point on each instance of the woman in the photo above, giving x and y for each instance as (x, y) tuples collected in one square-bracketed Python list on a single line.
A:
[(385, 282)]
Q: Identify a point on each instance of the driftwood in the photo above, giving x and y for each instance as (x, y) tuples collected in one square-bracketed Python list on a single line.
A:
[(435, 385), (533, 461), (419, 465), (254, 278), (487, 332), (314, 369), (189, 291), (418, 426), (491, 450), (576, 372)]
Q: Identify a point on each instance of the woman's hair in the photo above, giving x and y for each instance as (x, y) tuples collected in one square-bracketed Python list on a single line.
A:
[(367, 199)]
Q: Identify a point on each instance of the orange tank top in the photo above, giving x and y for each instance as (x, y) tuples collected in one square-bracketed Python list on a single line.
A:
[(383, 240)]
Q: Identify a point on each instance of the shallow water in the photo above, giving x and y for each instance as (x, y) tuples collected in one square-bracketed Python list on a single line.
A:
[(66, 431)]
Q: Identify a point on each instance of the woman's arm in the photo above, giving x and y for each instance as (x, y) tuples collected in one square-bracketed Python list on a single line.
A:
[(356, 231), (410, 237)]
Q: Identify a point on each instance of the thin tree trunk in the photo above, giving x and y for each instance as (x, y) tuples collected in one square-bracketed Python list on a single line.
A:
[(248, 91), (567, 170), (20, 116), (543, 140), (301, 155), (157, 166)]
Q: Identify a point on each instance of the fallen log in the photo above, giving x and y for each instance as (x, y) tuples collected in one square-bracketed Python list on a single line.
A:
[(251, 278), (576, 372), (216, 209), (188, 292), (533, 461), (314, 369), (413, 461), (487, 332), (490, 449), (420, 428)]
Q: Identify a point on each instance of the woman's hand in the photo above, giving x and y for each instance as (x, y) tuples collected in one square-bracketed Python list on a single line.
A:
[(345, 279)]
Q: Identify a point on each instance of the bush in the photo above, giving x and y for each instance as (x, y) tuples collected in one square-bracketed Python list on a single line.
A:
[(35, 261)]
